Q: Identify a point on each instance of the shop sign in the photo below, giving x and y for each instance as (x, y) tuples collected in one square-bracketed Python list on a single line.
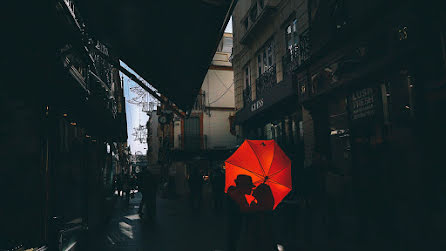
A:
[(256, 105), (362, 104)]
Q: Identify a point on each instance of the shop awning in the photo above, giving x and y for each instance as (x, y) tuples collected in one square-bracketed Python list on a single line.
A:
[(169, 43)]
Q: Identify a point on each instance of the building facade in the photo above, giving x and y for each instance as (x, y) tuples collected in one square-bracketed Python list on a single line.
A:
[(270, 41), (66, 123), (352, 91), (368, 93), (207, 134)]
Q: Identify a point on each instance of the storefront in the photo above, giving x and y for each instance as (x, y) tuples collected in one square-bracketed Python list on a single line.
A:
[(368, 125)]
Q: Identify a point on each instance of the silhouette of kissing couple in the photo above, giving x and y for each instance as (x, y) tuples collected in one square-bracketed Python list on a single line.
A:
[(263, 196)]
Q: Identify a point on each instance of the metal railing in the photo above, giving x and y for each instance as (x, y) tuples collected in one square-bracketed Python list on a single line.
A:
[(102, 68), (297, 55), (266, 80)]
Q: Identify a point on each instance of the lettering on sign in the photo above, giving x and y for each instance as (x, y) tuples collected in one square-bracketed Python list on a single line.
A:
[(256, 105), (362, 103)]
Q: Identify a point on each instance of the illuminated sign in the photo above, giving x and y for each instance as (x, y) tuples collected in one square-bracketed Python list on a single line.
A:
[(256, 105)]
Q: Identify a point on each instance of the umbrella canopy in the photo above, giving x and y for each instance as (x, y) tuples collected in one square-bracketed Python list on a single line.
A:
[(265, 162)]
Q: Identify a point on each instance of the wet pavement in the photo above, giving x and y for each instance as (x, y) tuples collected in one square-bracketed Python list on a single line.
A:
[(176, 227)]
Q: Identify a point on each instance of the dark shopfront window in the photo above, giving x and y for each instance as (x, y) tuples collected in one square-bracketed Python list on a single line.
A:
[(379, 116), (285, 132)]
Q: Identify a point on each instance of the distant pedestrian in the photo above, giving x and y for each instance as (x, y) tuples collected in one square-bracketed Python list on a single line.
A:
[(114, 187), (147, 186), (126, 187), (196, 188), (132, 185), (119, 183), (218, 186)]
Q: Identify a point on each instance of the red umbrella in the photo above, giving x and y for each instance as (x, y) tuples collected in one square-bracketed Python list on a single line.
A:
[(265, 162)]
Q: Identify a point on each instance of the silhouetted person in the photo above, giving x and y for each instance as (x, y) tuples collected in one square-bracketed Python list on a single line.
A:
[(119, 183), (147, 187), (218, 187), (236, 207), (126, 187), (114, 185), (195, 186), (260, 221)]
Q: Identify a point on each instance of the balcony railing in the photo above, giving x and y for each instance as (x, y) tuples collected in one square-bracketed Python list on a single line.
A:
[(247, 96), (102, 67), (297, 54), (266, 81)]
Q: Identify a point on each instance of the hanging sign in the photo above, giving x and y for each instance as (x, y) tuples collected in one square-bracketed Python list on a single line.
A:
[(256, 105), (362, 104)]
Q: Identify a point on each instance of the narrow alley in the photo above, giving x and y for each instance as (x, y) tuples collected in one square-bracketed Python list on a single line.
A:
[(251, 125)]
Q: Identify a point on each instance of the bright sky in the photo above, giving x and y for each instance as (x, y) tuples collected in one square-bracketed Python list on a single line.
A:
[(135, 115), (229, 26)]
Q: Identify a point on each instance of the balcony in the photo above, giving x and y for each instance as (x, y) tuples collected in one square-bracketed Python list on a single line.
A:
[(257, 15), (101, 67), (297, 55), (266, 81), (247, 96), (78, 71)]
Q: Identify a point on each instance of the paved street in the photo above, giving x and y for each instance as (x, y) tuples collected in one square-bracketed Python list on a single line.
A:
[(176, 228)]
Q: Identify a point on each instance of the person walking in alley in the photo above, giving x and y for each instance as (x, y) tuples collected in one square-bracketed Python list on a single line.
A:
[(196, 187), (218, 186), (147, 186), (119, 184), (126, 187)]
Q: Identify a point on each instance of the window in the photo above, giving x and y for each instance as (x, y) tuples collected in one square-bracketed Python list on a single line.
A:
[(265, 58), (291, 36), (247, 76)]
